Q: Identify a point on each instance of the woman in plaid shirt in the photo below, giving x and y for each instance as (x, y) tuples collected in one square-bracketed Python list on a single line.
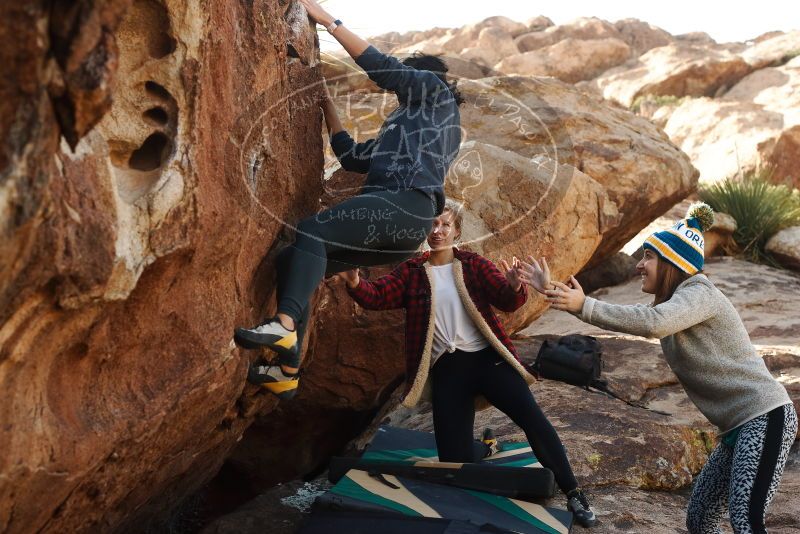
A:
[(457, 353)]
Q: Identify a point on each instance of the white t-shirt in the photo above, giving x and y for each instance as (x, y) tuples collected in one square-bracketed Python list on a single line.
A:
[(453, 328)]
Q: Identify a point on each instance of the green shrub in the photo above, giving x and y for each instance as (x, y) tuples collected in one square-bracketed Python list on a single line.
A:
[(760, 209), (658, 100)]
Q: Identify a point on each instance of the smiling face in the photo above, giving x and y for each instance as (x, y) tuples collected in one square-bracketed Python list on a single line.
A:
[(648, 270), (443, 232)]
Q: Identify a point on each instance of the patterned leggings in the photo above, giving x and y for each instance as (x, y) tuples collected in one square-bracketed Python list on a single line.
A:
[(744, 478)]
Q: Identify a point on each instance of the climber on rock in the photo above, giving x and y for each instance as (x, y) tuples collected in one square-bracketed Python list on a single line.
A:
[(457, 351), (387, 221), (708, 348)]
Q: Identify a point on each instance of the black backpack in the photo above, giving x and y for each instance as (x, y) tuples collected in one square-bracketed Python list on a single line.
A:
[(573, 359), (577, 360)]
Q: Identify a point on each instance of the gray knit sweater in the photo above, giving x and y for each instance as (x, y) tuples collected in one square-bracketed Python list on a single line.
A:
[(707, 347)]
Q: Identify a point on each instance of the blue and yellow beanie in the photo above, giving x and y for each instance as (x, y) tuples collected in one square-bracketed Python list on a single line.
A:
[(682, 245)]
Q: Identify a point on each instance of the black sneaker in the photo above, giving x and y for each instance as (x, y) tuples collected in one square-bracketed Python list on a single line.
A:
[(271, 334), (492, 445), (273, 379), (578, 504)]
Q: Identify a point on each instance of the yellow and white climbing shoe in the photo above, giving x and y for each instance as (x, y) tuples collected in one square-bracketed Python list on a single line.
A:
[(271, 334), (273, 379), (489, 439)]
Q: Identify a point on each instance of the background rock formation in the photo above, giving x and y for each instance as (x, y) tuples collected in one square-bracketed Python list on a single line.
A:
[(685, 83)]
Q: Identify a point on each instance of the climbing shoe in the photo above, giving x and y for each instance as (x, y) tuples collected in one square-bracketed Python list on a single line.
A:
[(273, 379), (578, 504), (271, 334), (492, 445)]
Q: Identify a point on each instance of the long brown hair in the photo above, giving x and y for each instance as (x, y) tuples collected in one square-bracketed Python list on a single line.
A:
[(668, 278)]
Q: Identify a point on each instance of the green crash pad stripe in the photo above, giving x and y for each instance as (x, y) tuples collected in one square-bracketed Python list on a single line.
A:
[(509, 507), (348, 488), (415, 455), (525, 462), (400, 454)]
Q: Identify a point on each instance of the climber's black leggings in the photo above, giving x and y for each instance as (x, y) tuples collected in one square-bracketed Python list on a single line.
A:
[(458, 378), (376, 228)]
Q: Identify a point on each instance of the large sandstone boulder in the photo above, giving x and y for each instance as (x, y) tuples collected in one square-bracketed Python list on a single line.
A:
[(785, 247), (774, 51), (722, 137), (492, 46), (642, 171), (452, 41), (782, 156), (776, 89), (719, 238), (127, 261), (751, 126), (642, 36), (581, 28), (538, 23), (506, 195), (677, 69), (569, 60), (511, 27)]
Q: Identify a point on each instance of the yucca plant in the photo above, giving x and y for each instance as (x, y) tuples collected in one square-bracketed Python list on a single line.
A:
[(760, 209)]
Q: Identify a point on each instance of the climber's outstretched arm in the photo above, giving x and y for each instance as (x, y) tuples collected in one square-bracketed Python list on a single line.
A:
[(332, 120), (351, 42)]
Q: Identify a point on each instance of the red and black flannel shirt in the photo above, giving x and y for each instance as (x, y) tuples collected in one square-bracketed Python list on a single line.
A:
[(407, 286)]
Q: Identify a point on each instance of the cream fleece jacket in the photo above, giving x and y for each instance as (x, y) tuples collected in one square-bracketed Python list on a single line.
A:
[(706, 345)]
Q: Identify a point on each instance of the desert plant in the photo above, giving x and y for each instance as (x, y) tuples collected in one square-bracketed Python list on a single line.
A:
[(656, 101), (760, 209)]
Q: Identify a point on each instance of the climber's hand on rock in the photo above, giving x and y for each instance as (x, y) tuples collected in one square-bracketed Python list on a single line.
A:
[(566, 297), (351, 278), (325, 95), (317, 14)]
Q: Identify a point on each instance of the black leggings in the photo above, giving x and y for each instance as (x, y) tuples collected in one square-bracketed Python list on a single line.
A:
[(458, 378), (375, 228)]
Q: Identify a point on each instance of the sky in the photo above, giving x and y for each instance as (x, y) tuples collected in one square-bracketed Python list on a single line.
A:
[(732, 20)]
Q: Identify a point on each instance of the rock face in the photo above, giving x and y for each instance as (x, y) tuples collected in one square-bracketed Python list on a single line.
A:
[(119, 278), (569, 60), (506, 195), (719, 237), (582, 28), (722, 137), (642, 36), (617, 269), (775, 89), (744, 127), (633, 160), (783, 157), (753, 125), (676, 70), (785, 246)]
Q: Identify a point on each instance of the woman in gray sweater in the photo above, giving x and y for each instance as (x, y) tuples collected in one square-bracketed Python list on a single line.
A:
[(708, 348)]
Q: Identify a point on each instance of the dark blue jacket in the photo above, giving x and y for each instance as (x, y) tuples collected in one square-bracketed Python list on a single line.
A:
[(418, 141)]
